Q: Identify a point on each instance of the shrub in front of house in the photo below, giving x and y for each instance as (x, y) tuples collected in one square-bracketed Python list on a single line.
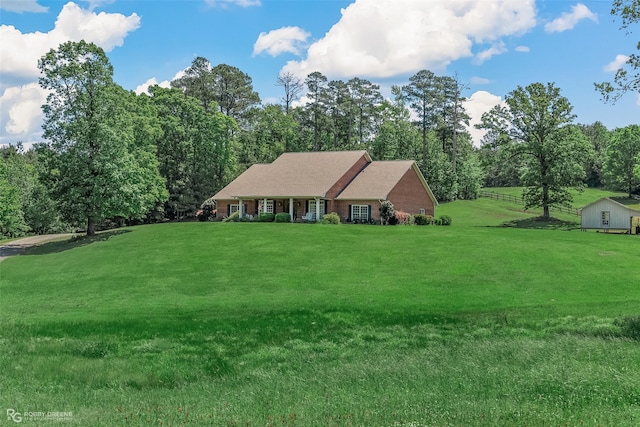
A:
[(266, 217), (404, 218), (445, 220), (422, 219), (331, 218), (283, 217), (387, 213)]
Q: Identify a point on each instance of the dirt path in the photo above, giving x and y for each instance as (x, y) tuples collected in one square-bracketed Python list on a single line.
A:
[(17, 246)]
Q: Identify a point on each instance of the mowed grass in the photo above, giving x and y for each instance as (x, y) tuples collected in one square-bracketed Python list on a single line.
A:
[(313, 325)]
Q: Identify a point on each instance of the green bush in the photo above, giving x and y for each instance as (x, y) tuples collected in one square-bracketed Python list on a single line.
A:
[(445, 220), (266, 217), (437, 221), (387, 213), (422, 219), (283, 217), (331, 218)]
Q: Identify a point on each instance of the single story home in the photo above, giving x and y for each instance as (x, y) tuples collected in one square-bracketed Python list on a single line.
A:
[(607, 214), (308, 185)]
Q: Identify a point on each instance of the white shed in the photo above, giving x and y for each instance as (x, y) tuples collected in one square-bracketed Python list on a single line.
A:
[(607, 214)]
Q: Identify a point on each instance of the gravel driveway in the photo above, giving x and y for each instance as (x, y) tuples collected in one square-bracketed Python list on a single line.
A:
[(17, 246)]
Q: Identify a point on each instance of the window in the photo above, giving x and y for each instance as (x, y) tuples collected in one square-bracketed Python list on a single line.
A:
[(422, 211), (312, 207), (359, 212), (233, 209), (604, 218), (269, 206)]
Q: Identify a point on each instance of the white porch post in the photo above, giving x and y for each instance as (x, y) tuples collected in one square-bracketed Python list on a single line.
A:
[(264, 205), (240, 206), (317, 209), (291, 209)]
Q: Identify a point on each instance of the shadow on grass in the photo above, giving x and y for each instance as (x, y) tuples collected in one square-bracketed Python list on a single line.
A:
[(74, 242), (540, 223)]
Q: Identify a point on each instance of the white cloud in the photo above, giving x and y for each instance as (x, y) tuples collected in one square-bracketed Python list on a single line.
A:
[(568, 20), (19, 52), (479, 81), (479, 103), (144, 87), (616, 64), (20, 6), (383, 38), (22, 97), (522, 49), (21, 113), (285, 39), (496, 49), (241, 3)]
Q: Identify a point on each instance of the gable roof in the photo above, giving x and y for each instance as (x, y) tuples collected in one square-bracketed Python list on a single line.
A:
[(309, 174), (376, 181), (607, 199)]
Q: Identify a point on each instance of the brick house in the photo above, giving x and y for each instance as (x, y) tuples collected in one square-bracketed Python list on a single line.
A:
[(307, 185)]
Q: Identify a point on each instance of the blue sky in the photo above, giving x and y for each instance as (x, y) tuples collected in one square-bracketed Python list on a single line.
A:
[(492, 45)]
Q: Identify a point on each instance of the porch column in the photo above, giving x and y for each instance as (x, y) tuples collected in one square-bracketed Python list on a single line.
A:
[(291, 209), (264, 205), (240, 206), (317, 208)]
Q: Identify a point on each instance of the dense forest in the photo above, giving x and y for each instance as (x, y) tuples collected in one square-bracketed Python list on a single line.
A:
[(112, 157)]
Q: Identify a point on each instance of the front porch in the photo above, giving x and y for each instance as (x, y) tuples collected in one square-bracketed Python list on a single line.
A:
[(299, 209)]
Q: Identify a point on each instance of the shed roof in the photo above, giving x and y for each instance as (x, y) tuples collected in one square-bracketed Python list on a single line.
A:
[(309, 174), (608, 200)]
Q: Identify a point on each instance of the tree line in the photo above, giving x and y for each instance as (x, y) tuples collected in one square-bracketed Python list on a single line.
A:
[(113, 157)]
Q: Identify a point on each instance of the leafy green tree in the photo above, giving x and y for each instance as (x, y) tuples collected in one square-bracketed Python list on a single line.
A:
[(317, 108), (23, 171), (88, 125), (453, 122), (623, 160), (424, 96), (537, 119), (438, 171), (195, 150), (500, 162), (12, 223), (397, 138), (365, 101), (599, 137), (198, 82), (626, 79), (271, 132), (233, 91)]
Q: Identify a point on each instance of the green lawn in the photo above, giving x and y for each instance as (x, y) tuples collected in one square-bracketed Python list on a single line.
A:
[(319, 325)]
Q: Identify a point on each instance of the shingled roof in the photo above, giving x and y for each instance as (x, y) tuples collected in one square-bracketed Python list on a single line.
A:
[(376, 181), (297, 175)]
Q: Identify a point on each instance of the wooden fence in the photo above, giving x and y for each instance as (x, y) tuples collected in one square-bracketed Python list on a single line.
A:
[(520, 200)]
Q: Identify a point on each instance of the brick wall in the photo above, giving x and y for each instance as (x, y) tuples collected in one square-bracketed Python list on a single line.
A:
[(409, 195)]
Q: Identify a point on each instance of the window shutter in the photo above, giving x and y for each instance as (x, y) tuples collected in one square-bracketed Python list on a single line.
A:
[(257, 206), (306, 206), (228, 209), (369, 212), (349, 214)]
